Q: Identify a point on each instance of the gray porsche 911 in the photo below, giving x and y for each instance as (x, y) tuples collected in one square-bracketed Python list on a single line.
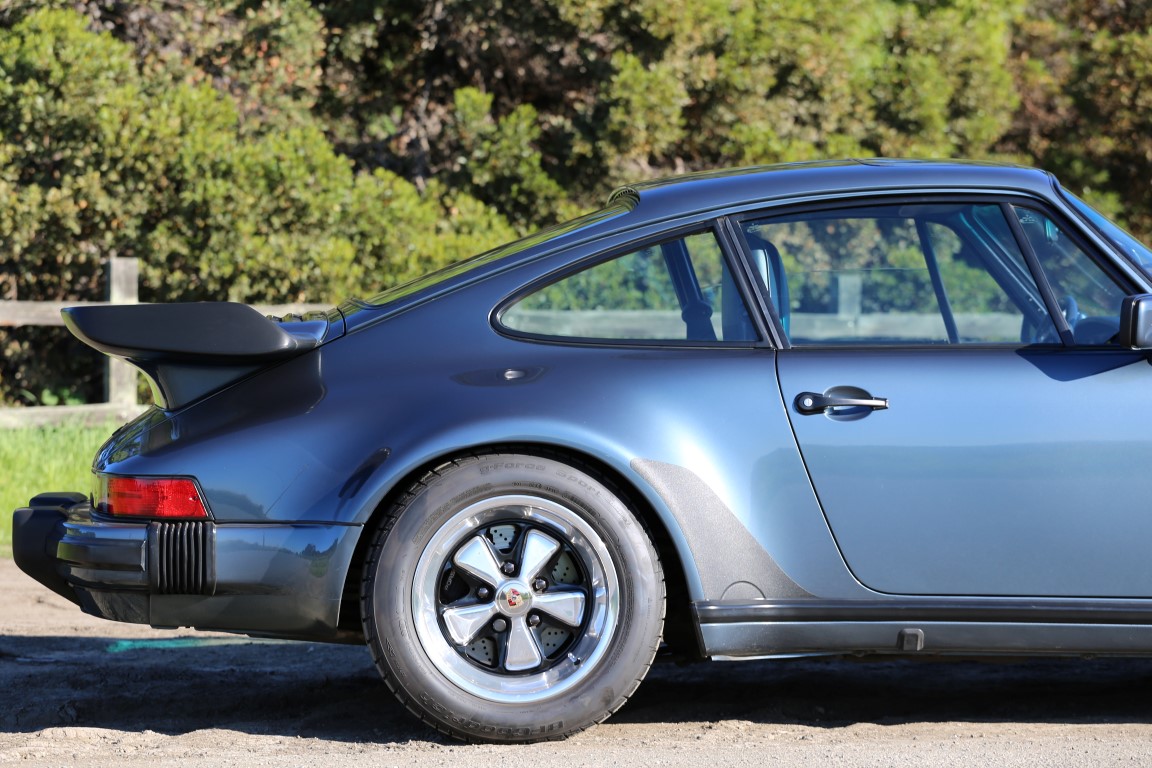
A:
[(861, 407)]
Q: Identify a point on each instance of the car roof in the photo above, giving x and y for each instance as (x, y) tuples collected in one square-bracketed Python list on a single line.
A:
[(699, 192), (636, 206)]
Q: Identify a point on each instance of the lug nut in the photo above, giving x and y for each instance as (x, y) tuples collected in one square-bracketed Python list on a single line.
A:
[(499, 625), (539, 585), (508, 568), (533, 620), (483, 593)]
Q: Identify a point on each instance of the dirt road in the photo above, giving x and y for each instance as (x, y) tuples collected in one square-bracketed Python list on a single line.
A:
[(77, 691)]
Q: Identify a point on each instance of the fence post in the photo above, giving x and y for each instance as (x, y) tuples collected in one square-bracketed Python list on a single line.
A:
[(849, 294), (123, 288)]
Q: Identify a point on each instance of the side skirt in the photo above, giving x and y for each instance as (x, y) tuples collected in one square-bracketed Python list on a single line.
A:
[(925, 627)]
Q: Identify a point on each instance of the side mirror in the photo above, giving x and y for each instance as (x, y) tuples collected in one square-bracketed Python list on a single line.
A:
[(1136, 322)]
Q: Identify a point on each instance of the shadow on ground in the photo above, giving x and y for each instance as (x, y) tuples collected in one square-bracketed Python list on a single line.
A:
[(185, 684)]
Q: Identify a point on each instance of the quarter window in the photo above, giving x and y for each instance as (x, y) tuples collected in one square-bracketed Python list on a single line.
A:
[(1088, 298), (679, 290)]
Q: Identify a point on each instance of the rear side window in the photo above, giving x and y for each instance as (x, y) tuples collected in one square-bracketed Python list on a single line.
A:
[(676, 291)]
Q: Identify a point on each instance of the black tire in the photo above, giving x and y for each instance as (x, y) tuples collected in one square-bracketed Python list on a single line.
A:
[(512, 598)]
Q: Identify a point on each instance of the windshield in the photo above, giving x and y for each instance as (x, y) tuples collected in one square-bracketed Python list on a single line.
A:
[(462, 267), (1129, 245)]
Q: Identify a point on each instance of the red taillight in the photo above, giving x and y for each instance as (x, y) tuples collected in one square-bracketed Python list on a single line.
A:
[(154, 497)]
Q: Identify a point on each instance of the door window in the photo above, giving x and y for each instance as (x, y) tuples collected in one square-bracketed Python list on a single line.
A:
[(923, 274)]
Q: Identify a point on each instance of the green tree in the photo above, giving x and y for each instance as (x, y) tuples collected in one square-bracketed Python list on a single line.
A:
[(514, 102), (1085, 72), (101, 156), (804, 79)]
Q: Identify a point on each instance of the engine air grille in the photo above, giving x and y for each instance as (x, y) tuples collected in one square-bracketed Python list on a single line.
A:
[(181, 558)]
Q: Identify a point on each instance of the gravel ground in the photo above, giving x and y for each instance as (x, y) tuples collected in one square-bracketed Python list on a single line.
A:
[(78, 691)]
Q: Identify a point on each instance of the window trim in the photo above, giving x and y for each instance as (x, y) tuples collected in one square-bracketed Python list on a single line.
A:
[(1039, 276), (1110, 235)]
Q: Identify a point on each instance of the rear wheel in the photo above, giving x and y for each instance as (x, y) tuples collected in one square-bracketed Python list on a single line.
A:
[(512, 598)]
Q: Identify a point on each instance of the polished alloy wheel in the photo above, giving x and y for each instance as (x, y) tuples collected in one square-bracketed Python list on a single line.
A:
[(515, 598), (512, 597)]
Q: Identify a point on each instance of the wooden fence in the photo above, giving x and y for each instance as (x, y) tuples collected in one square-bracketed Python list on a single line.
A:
[(120, 378)]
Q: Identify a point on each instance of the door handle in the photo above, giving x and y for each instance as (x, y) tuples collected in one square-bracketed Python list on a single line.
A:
[(810, 403)]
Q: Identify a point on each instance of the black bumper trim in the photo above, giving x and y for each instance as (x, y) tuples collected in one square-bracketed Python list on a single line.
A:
[(33, 543), (56, 541), (987, 610), (89, 554), (183, 558)]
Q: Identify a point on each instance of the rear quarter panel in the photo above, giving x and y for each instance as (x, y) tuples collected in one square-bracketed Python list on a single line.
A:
[(700, 435)]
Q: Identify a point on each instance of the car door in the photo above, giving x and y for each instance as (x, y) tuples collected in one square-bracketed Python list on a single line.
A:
[(967, 422)]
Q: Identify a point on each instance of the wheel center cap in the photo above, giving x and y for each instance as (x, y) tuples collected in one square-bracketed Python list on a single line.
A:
[(514, 599)]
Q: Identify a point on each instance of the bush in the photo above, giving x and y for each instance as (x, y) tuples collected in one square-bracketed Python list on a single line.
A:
[(100, 157)]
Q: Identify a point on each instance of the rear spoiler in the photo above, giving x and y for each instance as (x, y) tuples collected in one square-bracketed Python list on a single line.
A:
[(190, 350)]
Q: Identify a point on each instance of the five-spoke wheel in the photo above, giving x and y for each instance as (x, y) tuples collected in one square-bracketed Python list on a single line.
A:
[(512, 598)]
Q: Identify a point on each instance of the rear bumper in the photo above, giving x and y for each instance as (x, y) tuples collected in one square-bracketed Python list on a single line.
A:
[(37, 531), (275, 579)]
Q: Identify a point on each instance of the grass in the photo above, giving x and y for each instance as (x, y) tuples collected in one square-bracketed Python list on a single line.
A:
[(38, 459)]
